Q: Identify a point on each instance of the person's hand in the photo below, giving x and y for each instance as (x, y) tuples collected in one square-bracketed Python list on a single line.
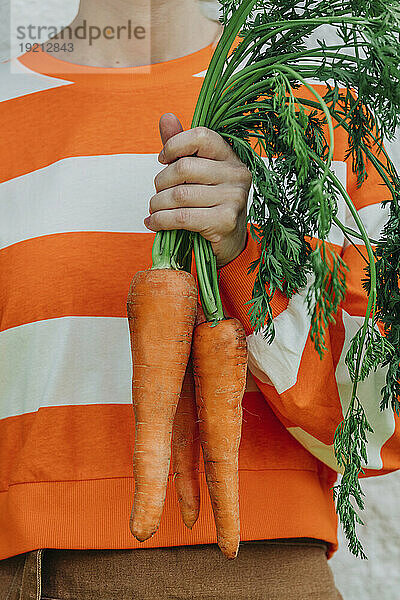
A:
[(206, 193)]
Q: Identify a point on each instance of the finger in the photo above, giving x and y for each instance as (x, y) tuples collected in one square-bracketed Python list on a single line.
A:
[(169, 125), (201, 141), (191, 169), (212, 222), (198, 196)]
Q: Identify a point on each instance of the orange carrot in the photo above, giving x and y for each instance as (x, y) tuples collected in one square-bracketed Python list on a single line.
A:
[(220, 367), (186, 452), (200, 316), (161, 308), (186, 445)]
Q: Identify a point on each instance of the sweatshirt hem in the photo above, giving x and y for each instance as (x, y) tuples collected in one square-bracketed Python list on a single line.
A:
[(94, 514)]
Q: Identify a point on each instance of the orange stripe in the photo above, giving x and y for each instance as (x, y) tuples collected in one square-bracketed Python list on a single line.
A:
[(75, 122), (89, 432), (236, 285), (356, 300), (84, 273), (337, 337), (313, 403), (269, 394), (391, 449), (156, 75), (373, 189)]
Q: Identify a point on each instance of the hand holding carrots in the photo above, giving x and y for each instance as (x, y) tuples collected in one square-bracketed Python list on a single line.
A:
[(189, 372), (206, 193)]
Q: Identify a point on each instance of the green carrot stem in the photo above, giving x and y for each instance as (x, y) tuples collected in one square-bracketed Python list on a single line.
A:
[(213, 275), (246, 90), (218, 60), (160, 253), (208, 283), (278, 27), (339, 18), (208, 302), (244, 73)]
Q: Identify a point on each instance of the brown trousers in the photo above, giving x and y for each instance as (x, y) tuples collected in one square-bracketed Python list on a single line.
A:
[(263, 570)]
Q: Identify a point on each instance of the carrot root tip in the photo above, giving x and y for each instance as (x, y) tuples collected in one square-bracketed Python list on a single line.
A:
[(140, 534), (230, 554), (190, 521), (229, 548)]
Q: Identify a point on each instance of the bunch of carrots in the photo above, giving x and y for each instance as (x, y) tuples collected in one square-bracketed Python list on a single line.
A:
[(252, 95), (189, 377)]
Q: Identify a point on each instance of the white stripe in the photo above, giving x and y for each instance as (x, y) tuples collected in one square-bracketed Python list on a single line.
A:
[(254, 369), (374, 218), (16, 80), (313, 81), (65, 361), (278, 363), (368, 392), (393, 148), (327, 34), (93, 193), (324, 452), (86, 193)]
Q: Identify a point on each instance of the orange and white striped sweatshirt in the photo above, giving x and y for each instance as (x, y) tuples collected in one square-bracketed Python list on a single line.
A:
[(78, 158)]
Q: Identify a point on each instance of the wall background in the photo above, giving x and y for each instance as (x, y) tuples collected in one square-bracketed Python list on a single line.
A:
[(379, 576)]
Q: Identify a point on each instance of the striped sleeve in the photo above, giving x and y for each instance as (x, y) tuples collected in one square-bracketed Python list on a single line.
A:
[(309, 395)]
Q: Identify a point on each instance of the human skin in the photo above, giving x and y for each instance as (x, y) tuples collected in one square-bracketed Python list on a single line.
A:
[(208, 192), (174, 28)]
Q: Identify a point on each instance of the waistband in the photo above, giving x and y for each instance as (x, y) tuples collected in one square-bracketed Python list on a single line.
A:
[(26, 573)]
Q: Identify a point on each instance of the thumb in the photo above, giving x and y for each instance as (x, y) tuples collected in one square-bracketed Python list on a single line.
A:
[(169, 126)]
